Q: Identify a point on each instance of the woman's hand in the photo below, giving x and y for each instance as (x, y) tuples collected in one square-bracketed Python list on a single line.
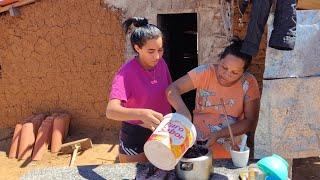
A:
[(212, 139), (150, 118)]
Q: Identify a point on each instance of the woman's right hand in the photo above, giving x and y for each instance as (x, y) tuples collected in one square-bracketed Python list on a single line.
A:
[(150, 118)]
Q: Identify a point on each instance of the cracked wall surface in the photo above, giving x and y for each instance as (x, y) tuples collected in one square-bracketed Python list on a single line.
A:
[(59, 55)]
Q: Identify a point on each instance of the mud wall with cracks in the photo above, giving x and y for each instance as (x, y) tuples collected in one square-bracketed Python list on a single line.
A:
[(59, 56)]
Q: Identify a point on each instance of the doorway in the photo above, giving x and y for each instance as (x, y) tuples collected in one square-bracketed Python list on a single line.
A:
[(180, 47)]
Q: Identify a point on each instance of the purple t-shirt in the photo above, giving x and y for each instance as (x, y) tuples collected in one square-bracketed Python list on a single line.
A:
[(137, 87)]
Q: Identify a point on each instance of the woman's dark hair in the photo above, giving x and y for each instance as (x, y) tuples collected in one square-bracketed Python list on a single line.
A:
[(143, 31), (234, 49)]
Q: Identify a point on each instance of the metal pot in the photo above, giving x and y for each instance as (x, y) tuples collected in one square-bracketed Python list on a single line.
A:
[(195, 168)]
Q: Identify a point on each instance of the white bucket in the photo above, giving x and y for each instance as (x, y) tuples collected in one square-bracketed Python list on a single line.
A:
[(168, 143)]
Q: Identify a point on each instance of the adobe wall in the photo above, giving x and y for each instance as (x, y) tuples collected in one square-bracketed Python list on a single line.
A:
[(62, 55), (59, 55)]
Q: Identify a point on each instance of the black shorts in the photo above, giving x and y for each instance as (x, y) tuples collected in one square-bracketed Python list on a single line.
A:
[(132, 138)]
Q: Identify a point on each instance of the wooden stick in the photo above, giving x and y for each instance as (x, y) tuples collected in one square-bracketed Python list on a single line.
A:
[(74, 154), (226, 118), (17, 4)]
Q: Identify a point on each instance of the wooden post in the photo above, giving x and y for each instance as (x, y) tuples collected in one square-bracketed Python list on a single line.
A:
[(290, 162)]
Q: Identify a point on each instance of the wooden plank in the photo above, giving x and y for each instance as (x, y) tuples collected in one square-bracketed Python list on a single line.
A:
[(308, 4), (69, 147), (17, 4)]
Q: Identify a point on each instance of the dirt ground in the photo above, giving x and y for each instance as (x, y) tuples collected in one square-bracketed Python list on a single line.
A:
[(105, 151)]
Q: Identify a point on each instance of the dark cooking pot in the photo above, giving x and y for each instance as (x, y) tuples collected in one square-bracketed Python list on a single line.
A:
[(195, 164)]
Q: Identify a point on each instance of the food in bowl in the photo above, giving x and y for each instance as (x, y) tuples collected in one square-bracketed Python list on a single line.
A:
[(195, 151)]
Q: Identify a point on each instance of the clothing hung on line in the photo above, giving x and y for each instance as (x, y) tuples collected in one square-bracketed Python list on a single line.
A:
[(284, 26)]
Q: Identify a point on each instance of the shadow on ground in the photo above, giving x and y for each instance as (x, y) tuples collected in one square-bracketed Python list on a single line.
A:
[(88, 172)]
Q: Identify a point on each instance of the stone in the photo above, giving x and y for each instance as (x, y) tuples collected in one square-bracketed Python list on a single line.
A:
[(289, 123), (303, 61)]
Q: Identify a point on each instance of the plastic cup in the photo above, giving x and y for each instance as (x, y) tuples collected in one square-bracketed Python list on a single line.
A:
[(240, 158)]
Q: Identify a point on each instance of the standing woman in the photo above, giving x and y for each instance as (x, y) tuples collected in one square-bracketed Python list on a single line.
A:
[(137, 96), (230, 81)]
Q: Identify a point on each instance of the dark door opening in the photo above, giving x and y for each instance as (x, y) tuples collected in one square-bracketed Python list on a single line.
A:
[(181, 49)]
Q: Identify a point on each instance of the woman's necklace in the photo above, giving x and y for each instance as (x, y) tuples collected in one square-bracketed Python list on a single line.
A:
[(154, 81)]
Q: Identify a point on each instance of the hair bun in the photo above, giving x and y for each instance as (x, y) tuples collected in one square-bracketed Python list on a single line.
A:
[(140, 21), (135, 21)]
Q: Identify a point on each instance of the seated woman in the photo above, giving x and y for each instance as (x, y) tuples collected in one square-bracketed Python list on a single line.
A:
[(230, 81)]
